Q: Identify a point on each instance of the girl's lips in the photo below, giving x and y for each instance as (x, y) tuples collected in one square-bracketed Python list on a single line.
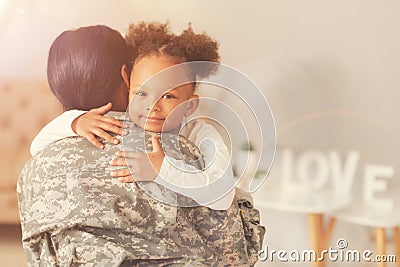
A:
[(153, 119)]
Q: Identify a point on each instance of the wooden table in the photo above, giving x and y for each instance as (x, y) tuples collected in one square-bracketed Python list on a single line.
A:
[(314, 203), (368, 214)]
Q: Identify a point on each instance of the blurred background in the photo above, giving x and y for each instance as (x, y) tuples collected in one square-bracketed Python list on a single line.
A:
[(329, 71)]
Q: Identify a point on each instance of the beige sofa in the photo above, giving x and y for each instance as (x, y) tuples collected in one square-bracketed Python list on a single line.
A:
[(25, 106)]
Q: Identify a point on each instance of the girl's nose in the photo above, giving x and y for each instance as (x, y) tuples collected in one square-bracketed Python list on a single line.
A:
[(156, 107)]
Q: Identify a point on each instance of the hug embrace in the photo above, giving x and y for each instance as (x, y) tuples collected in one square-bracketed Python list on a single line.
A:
[(121, 178)]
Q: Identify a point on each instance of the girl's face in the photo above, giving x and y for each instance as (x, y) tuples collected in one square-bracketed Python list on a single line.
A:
[(154, 106)]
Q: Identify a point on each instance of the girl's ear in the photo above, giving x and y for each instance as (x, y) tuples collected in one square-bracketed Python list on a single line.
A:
[(191, 105), (124, 75)]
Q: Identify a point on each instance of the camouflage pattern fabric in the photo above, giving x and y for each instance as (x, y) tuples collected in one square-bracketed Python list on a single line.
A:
[(174, 145), (73, 213)]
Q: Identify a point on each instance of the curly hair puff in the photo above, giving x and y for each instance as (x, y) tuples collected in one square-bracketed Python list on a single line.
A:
[(154, 38)]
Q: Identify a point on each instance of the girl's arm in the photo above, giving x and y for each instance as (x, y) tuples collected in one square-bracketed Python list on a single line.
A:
[(87, 124), (57, 129), (212, 187)]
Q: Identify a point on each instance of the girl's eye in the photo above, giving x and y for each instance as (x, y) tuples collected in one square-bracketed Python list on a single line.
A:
[(168, 96), (140, 93)]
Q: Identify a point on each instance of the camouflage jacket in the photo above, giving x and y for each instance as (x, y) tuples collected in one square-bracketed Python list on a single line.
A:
[(73, 213)]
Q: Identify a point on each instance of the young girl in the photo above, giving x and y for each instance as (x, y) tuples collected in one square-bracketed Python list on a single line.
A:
[(153, 49)]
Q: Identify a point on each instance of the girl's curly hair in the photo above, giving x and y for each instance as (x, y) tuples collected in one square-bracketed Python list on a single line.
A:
[(154, 38)]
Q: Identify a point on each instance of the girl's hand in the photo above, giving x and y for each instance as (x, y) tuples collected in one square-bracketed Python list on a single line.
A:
[(93, 123), (144, 166)]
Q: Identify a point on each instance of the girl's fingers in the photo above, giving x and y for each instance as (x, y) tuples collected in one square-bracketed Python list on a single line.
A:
[(92, 139), (120, 173), (109, 127), (121, 162), (113, 121), (102, 110), (156, 144), (126, 179), (106, 136), (128, 154)]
